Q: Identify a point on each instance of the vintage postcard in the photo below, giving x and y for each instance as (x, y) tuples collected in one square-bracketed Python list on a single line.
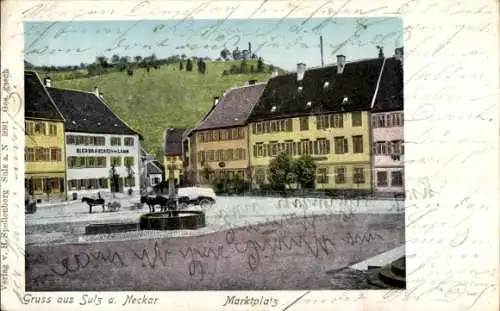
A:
[(249, 155)]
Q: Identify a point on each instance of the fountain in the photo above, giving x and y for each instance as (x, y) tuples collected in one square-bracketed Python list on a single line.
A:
[(173, 218)]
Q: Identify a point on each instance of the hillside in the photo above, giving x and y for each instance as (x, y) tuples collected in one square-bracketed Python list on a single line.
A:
[(152, 101)]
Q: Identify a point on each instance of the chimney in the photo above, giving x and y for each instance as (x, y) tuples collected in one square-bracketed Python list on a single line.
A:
[(216, 100), (380, 51), (251, 82), (340, 63), (301, 70), (96, 91), (398, 54), (47, 82)]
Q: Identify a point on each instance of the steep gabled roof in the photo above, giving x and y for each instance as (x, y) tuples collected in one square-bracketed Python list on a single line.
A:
[(234, 108), (173, 141), (352, 90), (390, 96), (38, 103), (152, 168), (86, 112)]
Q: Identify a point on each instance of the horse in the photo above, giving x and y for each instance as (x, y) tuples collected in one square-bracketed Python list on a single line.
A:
[(165, 203), (92, 202)]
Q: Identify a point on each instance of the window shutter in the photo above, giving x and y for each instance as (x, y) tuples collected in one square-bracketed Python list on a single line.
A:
[(346, 146)]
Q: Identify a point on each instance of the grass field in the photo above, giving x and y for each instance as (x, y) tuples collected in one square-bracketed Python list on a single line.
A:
[(152, 101)]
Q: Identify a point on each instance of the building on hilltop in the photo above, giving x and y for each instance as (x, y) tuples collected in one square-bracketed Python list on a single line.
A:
[(323, 112), (387, 130), (44, 161), (173, 153), (102, 151), (219, 143)]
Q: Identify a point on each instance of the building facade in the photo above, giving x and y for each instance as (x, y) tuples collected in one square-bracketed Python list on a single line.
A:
[(102, 152), (173, 153), (388, 133), (221, 138), (323, 112), (44, 161)]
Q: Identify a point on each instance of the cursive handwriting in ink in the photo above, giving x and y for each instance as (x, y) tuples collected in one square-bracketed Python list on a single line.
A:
[(152, 263)]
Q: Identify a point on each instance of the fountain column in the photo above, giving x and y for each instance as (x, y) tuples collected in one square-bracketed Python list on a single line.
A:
[(172, 194)]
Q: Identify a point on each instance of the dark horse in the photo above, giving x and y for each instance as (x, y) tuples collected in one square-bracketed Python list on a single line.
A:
[(152, 201), (92, 202)]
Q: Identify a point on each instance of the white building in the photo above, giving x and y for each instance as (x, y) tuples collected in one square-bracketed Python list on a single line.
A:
[(102, 151), (151, 170)]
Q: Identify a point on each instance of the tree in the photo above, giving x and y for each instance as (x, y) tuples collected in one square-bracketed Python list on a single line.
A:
[(305, 171), (181, 66), (234, 69), (281, 171), (236, 54), (189, 65), (260, 65), (130, 72), (102, 61), (225, 54), (137, 58), (115, 59), (252, 69), (271, 68), (243, 66)]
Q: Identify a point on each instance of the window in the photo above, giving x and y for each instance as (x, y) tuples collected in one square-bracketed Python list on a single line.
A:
[(29, 128), (380, 120), (52, 130), (337, 121), (274, 148), (128, 141), (323, 146), (103, 183), (340, 175), (116, 161), (305, 146), (397, 178), (304, 123), (380, 148), (359, 175), (40, 128), (382, 179), (101, 161), (322, 122), (29, 154), (356, 119), (128, 161), (357, 144), (116, 141), (322, 177), (260, 149), (341, 145), (289, 125)]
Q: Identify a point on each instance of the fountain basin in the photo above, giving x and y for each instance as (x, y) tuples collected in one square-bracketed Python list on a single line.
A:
[(173, 220)]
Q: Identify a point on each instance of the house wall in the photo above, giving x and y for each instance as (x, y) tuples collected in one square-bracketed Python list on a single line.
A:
[(221, 162), (82, 176), (330, 161), (175, 160), (384, 162), (152, 178), (44, 161)]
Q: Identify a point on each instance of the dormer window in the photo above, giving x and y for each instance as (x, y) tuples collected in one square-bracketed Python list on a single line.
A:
[(116, 124), (309, 104), (98, 123), (74, 122), (299, 88), (273, 108), (326, 84), (345, 100)]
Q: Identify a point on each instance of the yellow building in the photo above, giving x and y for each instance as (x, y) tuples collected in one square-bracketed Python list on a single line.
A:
[(173, 153), (44, 141), (219, 144), (323, 112)]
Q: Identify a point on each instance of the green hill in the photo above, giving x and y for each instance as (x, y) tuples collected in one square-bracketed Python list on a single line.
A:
[(166, 97)]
